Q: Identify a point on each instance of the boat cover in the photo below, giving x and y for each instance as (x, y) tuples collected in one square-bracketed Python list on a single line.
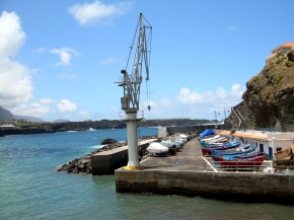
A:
[(207, 132)]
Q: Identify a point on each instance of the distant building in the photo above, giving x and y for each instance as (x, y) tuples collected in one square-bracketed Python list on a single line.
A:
[(7, 126), (282, 49)]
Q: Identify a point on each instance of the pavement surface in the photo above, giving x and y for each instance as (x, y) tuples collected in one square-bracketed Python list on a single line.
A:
[(188, 158)]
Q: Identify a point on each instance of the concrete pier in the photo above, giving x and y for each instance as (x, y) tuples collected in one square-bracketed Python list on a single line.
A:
[(188, 173), (107, 161)]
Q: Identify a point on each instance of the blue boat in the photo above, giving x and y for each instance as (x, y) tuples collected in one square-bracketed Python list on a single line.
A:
[(207, 132), (242, 149), (207, 150)]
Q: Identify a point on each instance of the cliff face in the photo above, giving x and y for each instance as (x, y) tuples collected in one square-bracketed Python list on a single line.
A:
[(269, 98)]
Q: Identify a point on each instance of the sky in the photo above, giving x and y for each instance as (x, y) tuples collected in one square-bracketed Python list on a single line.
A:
[(59, 59)]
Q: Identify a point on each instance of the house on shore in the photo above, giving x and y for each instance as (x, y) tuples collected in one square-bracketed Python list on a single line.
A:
[(266, 142), (283, 50)]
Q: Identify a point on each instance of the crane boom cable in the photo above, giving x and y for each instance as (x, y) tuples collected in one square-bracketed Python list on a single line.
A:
[(133, 42)]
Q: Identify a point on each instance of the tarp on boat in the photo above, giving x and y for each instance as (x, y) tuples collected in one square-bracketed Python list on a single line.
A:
[(207, 132)]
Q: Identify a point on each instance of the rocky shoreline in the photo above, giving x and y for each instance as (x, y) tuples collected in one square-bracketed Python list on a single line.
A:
[(83, 164)]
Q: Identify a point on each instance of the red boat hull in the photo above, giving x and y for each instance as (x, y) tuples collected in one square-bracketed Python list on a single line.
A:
[(249, 162)]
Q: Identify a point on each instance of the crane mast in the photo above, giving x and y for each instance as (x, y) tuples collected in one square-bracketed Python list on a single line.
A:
[(131, 83)]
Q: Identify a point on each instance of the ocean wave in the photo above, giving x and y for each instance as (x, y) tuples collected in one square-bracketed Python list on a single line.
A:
[(99, 146)]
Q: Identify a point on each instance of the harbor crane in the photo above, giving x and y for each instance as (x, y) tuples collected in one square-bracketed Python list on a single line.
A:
[(131, 83)]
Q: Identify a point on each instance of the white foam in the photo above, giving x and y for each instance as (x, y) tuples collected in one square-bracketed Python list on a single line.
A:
[(99, 146)]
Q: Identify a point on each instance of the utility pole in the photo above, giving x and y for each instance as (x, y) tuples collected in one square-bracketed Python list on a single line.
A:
[(215, 115)]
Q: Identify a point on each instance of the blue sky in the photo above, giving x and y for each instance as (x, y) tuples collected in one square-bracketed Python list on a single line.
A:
[(60, 58)]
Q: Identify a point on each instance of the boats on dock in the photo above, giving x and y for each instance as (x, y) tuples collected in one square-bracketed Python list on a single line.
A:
[(207, 150), (157, 149), (241, 150), (240, 161)]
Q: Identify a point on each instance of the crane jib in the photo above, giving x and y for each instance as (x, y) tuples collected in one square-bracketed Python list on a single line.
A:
[(139, 55)]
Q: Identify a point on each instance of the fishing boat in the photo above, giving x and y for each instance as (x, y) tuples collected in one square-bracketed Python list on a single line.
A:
[(213, 141), (207, 150), (172, 143), (207, 132), (157, 149), (210, 138), (236, 157), (172, 148), (241, 150), (240, 162)]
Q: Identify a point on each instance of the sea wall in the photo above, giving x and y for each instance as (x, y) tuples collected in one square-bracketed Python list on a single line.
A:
[(187, 129), (107, 161), (227, 185)]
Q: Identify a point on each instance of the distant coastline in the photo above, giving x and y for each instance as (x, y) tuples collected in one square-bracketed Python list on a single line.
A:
[(39, 128)]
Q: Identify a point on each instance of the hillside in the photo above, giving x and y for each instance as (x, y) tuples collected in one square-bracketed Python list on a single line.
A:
[(24, 127), (5, 115), (269, 98)]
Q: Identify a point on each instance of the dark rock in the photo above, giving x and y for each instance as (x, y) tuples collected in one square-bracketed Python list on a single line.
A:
[(268, 100), (290, 56), (108, 141)]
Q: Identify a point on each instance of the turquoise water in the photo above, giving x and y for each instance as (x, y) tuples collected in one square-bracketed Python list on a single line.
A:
[(30, 188)]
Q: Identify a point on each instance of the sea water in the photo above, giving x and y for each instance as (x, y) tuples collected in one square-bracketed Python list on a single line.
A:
[(30, 187)]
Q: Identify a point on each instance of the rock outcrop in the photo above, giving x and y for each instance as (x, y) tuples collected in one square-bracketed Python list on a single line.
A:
[(83, 164), (268, 101)]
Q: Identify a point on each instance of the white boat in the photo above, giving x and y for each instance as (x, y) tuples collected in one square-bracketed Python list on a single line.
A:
[(157, 149), (211, 138), (171, 143), (92, 129)]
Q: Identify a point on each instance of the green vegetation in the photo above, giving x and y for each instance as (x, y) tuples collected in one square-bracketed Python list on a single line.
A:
[(269, 97)]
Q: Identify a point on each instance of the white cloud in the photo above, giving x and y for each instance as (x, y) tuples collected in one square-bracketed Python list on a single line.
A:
[(65, 105), (221, 93), (237, 91), (65, 55), (12, 35), (31, 109), (46, 101), (97, 11), (40, 50), (67, 76), (37, 108), (84, 115), (15, 83), (195, 104), (210, 101), (186, 96), (231, 28), (109, 61)]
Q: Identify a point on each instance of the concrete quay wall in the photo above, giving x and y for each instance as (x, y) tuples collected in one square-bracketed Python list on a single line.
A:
[(259, 187), (106, 162)]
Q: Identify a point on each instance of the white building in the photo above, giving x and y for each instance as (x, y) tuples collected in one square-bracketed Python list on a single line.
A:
[(7, 126), (266, 142)]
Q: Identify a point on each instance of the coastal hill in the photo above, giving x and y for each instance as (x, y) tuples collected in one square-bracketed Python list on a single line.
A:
[(5, 115), (268, 100), (26, 127)]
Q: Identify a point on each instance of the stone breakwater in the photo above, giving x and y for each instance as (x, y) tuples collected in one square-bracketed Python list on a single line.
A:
[(83, 164)]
